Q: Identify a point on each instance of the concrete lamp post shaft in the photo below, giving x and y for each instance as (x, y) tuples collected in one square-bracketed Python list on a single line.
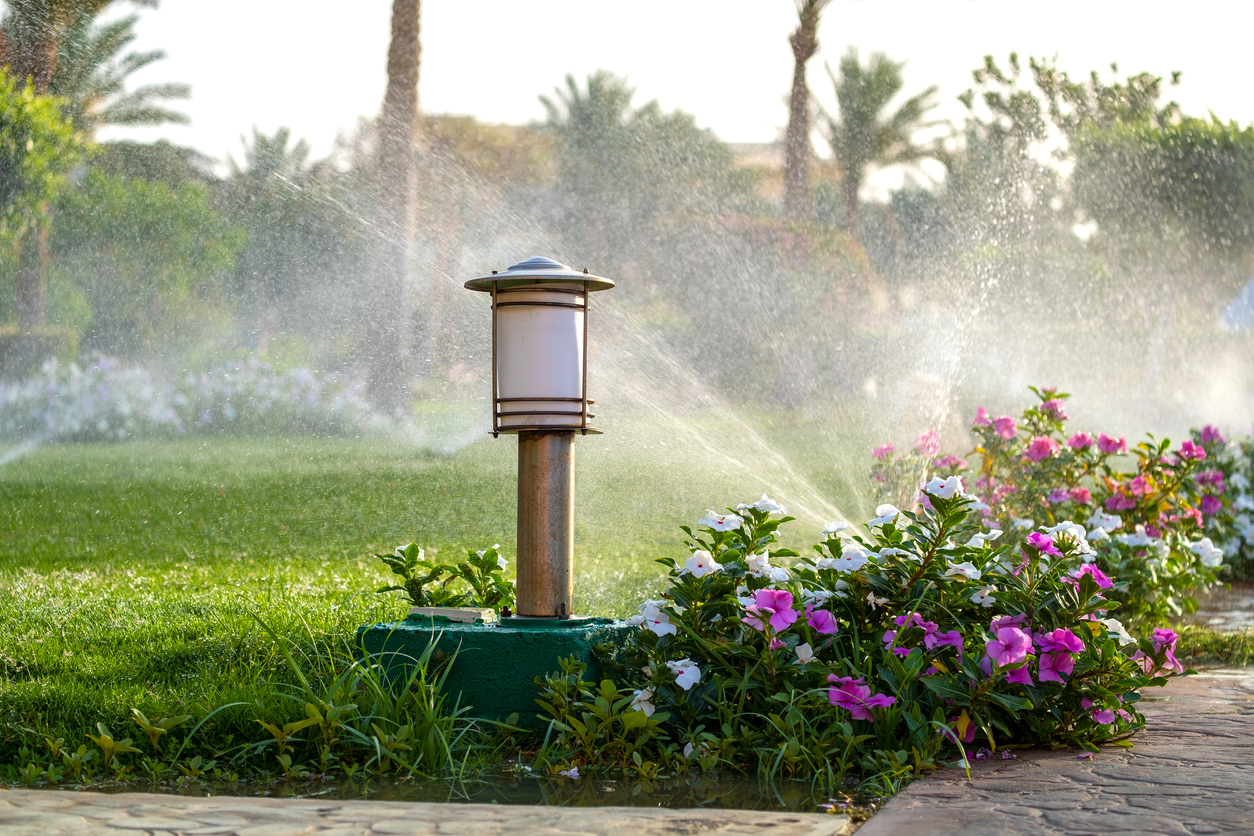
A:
[(546, 523)]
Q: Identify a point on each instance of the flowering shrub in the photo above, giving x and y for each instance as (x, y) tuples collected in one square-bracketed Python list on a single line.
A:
[(110, 401), (477, 581), (1232, 479), (877, 653), (1151, 513)]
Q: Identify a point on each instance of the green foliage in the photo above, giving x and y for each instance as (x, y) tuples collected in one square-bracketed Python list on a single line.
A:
[(481, 571), (38, 148), (146, 258)]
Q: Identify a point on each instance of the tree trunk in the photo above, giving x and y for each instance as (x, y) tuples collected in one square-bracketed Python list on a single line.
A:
[(850, 185), (798, 196), (389, 386), (32, 268)]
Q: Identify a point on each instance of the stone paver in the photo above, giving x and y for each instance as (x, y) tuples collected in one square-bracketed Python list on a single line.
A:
[(60, 813), (1191, 772)]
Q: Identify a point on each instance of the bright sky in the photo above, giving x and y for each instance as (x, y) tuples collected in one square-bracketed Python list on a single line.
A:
[(316, 65)]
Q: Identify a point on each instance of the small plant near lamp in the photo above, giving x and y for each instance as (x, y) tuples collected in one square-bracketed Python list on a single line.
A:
[(459, 591)]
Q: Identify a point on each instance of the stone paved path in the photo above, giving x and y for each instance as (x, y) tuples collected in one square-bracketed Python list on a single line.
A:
[(59, 813), (1191, 772)]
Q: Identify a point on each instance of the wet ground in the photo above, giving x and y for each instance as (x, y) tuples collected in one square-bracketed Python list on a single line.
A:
[(1227, 610)]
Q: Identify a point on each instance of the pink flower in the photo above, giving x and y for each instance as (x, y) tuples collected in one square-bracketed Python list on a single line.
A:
[(776, 644), (1153, 531), (1058, 495), (1138, 486), (951, 638), (1041, 447), (852, 695), (952, 461), (1054, 666), (928, 444), (981, 418), (774, 605), (1210, 434), (1054, 409), (1111, 445), (1100, 715), (1164, 642), (883, 452), (1098, 575), (1120, 502), (1189, 450), (1080, 441), (1005, 427), (1060, 640), (1011, 645), (1043, 543), (1211, 505), (1211, 478), (1081, 496), (953, 724), (1020, 676), (820, 621)]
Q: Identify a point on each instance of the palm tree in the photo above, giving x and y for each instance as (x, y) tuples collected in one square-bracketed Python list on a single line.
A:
[(389, 329), (91, 78), (30, 39), (863, 136), (798, 197)]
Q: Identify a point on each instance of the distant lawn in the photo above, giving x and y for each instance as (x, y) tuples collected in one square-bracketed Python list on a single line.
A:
[(129, 573)]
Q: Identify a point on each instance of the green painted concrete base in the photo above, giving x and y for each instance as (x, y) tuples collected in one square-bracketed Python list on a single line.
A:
[(497, 664)]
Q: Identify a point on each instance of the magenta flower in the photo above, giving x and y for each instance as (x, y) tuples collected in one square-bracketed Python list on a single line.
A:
[(1043, 543), (1060, 640), (1020, 676), (981, 418), (1002, 621), (1211, 505), (883, 452), (773, 605), (1153, 531), (928, 444), (1098, 575), (1120, 502), (951, 638), (1055, 409), (1080, 441), (1011, 645), (1081, 496), (1054, 666), (1041, 447), (1111, 445), (952, 461), (953, 724), (1138, 487), (1058, 495), (1189, 450), (851, 694), (776, 644), (1100, 715), (1211, 478), (1005, 427), (820, 621), (1211, 434)]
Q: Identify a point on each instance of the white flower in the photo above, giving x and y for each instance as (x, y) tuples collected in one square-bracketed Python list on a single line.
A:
[(982, 539), (701, 564), (1140, 538), (636, 620), (966, 570), (766, 505), (834, 527), (889, 552), (400, 551), (656, 620), (1205, 549), (1097, 535), (887, 515), (503, 563), (875, 602), (944, 488), (984, 597), (702, 751), (1073, 532), (686, 673), (1244, 502), (1245, 525), (573, 772), (852, 558), (1239, 481), (977, 506), (1116, 627), (744, 596), (482, 552), (642, 700), (805, 653), (720, 522), (1024, 522), (1104, 521), (760, 567)]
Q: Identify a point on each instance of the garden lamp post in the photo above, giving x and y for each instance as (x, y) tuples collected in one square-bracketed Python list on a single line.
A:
[(540, 393)]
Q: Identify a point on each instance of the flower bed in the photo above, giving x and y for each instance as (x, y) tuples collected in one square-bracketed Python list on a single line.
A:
[(111, 401)]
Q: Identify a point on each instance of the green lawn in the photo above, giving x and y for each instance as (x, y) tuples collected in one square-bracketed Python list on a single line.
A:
[(129, 574)]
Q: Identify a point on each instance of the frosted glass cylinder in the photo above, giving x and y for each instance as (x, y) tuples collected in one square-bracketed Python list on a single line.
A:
[(539, 358)]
